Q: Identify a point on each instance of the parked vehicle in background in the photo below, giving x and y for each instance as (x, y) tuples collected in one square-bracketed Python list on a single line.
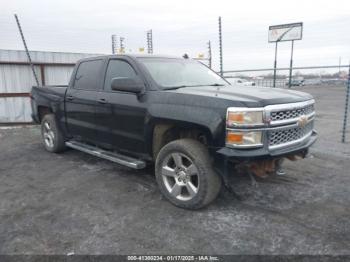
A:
[(240, 81), (177, 114), (296, 82)]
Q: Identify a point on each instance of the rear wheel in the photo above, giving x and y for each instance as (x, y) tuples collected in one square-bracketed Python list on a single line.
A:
[(52, 137), (185, 174)]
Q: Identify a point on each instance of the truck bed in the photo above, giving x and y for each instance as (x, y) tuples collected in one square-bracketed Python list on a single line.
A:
[(59, 90), (47, 96)]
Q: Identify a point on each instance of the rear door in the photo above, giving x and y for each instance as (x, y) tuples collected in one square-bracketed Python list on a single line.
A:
[(81, 100), (120, 116)]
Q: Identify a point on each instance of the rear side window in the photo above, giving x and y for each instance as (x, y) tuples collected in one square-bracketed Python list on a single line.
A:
[(88, 75), (118, 68)]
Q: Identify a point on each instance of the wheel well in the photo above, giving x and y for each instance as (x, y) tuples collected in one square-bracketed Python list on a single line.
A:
[(164, 133), (42, 111)]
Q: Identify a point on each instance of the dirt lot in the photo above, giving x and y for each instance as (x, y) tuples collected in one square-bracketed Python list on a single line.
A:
[(73, 202)]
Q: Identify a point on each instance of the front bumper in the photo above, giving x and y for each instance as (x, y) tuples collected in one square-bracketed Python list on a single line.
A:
[(260, 153)]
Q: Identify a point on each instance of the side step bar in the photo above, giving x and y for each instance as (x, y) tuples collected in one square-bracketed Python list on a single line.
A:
[(111, 156)]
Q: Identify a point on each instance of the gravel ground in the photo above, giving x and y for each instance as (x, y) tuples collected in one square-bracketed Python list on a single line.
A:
[(76, 203)]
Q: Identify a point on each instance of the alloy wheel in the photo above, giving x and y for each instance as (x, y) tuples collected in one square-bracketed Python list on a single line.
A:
[(49, 136), (180, 176)]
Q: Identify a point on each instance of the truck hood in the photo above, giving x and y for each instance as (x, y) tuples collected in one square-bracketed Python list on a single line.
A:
[(247, 95)]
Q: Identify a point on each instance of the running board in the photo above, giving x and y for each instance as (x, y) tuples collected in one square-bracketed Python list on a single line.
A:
[(114, 157)]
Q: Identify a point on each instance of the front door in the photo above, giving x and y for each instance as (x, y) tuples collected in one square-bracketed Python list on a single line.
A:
[(120, 116)]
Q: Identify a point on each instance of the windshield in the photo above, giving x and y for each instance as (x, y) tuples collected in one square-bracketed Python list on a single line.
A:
[(177, 73)]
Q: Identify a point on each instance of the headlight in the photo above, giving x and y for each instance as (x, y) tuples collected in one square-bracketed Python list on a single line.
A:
[(239, 120), (244, 138), (244, 117)]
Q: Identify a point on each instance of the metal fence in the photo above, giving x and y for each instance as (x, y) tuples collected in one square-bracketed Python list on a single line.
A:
[(16, 79), (311, 75)]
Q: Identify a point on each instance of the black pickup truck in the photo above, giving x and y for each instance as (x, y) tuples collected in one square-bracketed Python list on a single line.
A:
[(177, 113)]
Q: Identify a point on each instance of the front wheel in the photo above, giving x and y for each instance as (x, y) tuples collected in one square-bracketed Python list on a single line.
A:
[(185, 174), (52, 137)]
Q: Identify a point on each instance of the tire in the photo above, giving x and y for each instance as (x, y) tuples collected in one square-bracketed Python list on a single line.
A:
[(185, 175), (52, 137)]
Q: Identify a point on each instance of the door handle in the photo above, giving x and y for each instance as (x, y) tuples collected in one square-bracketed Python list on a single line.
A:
[(102, 101), (70, 98)]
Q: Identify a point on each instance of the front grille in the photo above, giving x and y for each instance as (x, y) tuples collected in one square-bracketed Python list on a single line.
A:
[(290, 114), (280, 137)]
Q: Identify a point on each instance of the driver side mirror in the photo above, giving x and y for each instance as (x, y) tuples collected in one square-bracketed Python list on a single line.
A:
[(127, 84)]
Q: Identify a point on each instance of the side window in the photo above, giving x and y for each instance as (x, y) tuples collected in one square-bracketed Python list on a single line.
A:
[(88, 75), (118, 68)]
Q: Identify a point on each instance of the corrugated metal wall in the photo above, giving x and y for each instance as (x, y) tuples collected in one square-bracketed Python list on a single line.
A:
[(16, 79), (57, 75), (15, 109), (40, 56)]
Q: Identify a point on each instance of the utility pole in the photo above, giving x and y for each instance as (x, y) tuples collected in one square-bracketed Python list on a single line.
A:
[(121, 45), (291, 65), (26, 49), (114, 44), (339, 65), (220, 47), (209, 54), (149, 42), (275, 66), (346, 108)]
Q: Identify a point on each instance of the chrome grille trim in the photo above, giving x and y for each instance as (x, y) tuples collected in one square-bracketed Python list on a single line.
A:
[(289, 113), (285, 137), (282, 132)]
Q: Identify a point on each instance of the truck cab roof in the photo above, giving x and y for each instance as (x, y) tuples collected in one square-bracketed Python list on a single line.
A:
[(132, 56)]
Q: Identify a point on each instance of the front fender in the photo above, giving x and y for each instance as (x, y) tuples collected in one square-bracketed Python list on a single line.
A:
[(206, 117), (183, 116)]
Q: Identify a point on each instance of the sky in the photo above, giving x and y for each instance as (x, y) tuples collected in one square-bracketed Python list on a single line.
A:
[(183, 27)]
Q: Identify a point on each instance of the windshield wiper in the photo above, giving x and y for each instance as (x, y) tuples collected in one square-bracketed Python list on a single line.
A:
[(216, 84), (174, 87)]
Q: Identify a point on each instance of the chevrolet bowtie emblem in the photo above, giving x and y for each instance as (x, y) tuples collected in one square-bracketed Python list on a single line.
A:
[(302, 121)]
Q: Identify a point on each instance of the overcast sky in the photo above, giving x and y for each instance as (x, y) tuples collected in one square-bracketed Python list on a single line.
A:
[(183, 27)]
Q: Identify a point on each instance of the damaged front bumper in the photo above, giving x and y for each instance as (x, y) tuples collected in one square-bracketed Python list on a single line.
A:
[(265, 152), (263, 162)]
